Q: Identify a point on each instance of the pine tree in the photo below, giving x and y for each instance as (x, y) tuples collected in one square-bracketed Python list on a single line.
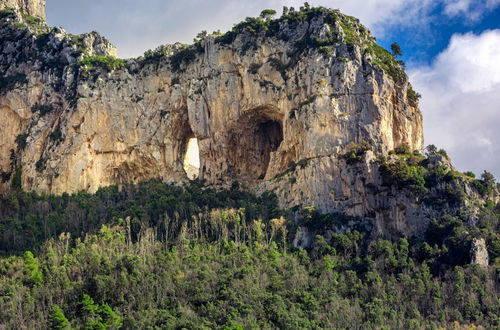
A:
[(57, 320)]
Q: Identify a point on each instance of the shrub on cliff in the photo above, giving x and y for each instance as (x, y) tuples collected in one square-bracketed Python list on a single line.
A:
[(356, 152), (412, 96), (403, 175), (486, 184), (106, 62)]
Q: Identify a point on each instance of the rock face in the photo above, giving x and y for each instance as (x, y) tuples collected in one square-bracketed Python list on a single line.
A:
[(34, 8), (265, 101), (479, 253)]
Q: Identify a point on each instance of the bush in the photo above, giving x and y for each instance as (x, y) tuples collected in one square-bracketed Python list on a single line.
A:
[(186, 55), (402, 175), (403, 149), (17, 182), (106, 62), (486, 184), (356, 152), (412, 96)]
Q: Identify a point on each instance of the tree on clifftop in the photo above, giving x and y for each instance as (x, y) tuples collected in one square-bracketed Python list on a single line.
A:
[(396, 49), (267, 13)]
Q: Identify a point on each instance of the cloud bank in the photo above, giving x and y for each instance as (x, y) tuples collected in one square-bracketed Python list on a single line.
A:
[(461, 100)]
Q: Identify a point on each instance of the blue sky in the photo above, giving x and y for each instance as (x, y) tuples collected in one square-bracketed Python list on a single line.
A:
[(451, 48), (423, 41)]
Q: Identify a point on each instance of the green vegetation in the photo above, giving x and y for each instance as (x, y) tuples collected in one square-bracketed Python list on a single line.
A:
[(17, 182), (158, 255), (105, 62), (386, 61), (404, 175), (413, 97), (486, 184), (35, 24), (267, 14), (57, 320), (351, 36), (430, 178), (356, 152), (396, 49), (108, 280), (186, 55), (155, 255), (39, 217), (352, 33), (6, 12)]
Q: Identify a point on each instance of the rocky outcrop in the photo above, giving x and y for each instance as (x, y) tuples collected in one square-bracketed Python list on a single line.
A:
[(479, 253), (34, 8), (274, 105)]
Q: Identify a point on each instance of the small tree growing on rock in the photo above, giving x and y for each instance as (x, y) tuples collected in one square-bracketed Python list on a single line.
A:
[(396, 49), (267, 14)]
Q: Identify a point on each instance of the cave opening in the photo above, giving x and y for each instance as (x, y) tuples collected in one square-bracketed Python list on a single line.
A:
[(253, 143), (191, 163)]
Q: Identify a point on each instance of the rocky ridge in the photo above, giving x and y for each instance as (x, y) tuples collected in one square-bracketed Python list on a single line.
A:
[(307, 105)]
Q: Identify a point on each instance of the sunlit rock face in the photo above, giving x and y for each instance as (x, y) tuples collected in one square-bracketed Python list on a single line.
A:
[(257, 103), (34, 8), (479, 252)]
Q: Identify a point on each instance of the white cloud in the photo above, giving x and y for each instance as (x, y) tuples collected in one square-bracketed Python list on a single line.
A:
[(461, 100), (472, 10)]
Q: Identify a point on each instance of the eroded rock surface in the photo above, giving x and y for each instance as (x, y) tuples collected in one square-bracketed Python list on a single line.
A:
[(479, 253), (34, 8), (264, 103)]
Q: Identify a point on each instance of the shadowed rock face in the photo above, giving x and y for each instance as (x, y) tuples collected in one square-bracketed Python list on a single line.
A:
[(258, 102)]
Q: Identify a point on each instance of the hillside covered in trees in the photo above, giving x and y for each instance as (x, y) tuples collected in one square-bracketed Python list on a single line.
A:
[(157, 255)]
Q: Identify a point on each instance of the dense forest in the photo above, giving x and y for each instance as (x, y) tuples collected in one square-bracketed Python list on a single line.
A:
[(159, 255)]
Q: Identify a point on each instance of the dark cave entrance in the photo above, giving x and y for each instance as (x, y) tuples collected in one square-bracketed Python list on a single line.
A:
[(252, 144)]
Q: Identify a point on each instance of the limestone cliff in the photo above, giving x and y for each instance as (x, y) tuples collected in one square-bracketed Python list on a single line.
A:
[(35, 8), (264, 97)]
